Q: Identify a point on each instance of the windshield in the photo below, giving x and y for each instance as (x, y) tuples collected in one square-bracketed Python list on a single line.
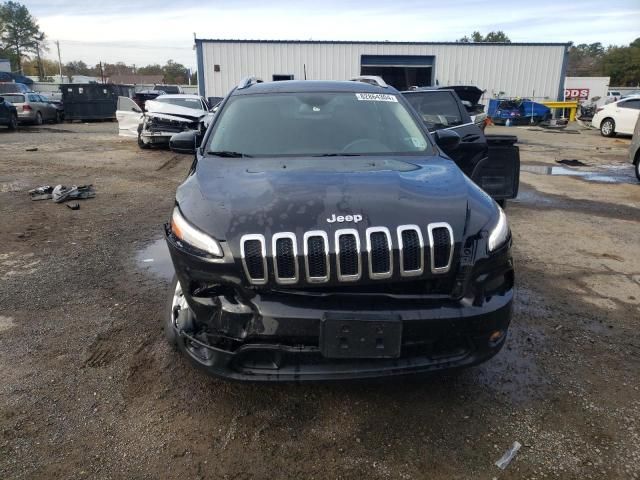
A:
[(438, 110), (13, 98), (194, 103), (317, 123)]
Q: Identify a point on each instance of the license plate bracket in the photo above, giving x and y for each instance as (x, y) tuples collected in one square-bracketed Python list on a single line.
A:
[(360, 336)]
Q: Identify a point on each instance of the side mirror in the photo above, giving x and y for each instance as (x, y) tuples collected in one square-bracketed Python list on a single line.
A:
[(136, 109), (1, 99), (447, 140), (185, 142)]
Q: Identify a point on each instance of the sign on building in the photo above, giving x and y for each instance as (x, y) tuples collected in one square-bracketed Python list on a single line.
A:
[(576, 93)]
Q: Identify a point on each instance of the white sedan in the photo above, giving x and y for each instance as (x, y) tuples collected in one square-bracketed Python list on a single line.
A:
[(617, 117), (164, 116)]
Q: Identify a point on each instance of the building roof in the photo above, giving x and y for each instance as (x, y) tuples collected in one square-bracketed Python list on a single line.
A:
[(369, 42), (136, 79)]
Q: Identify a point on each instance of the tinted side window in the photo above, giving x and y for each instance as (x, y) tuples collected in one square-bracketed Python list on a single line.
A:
[(438, 110), (33, 98), (635, 104)]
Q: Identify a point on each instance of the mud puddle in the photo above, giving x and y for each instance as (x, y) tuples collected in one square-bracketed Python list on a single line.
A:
[(605, 174), (155, 259)]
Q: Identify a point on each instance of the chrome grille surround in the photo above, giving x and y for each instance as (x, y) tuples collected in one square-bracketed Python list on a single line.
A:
[(368, 233), (416, 272), (313, 237), (260, 238), (305, 242), (430, 229), (274, 241), (348, 232)]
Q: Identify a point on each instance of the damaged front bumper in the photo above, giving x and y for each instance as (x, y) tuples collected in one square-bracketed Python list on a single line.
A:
[(281, 335), (157, 129)]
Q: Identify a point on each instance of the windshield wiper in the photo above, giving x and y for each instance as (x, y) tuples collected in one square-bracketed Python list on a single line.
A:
[(337, 155), (229, 154)]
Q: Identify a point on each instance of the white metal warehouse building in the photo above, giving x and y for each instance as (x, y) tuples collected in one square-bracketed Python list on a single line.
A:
[(533, 70)]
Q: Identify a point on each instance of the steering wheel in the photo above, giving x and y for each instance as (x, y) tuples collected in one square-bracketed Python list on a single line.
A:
[(374, 146)]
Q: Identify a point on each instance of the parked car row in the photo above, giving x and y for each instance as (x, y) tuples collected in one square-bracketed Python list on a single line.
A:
[(28, 107)]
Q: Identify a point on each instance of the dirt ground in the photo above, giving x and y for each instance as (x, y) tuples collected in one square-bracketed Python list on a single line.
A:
[(89, 389)]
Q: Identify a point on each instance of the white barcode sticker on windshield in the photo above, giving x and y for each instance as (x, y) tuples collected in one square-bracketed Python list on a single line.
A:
[(376, 97)]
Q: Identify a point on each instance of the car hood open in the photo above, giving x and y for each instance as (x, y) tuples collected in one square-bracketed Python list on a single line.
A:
[(467, 93)]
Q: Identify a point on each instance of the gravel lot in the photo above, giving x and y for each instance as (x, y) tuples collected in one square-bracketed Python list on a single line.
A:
[(88, 388)]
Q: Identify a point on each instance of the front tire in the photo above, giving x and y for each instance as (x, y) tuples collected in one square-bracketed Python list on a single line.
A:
[(141, 144), (174, 300), (608, 127), (176, 304), (38, 118), (637, 164)]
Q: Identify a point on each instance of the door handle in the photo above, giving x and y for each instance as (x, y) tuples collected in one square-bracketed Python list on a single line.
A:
[(470, 138)]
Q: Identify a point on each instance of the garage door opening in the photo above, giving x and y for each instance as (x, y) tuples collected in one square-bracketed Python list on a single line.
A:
[(400, 71)]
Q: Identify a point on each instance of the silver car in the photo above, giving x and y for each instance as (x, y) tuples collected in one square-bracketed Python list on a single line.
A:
[(33, 108), (634, 149)]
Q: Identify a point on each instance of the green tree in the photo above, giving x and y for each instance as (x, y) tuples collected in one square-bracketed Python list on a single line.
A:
[(622, 64), (155, 69), (77, 67), (19, 32), (175, 72), (491, 37), (46, 69), (585, 60)]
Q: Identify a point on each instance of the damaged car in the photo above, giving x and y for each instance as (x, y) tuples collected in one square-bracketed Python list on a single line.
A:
[(163, 117), (322, 233)]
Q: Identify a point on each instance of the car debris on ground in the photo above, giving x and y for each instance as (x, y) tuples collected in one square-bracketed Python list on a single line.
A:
[(61, 193), (509, 455)]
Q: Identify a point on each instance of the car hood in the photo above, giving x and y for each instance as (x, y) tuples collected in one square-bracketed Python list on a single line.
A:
[(469, 93), (230, 197), (155, 107)]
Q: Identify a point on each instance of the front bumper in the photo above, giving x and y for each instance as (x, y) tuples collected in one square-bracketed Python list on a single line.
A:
[(275, 335), (156, 138)]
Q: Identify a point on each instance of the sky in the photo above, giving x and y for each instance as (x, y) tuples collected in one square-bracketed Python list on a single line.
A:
[(143, 32)]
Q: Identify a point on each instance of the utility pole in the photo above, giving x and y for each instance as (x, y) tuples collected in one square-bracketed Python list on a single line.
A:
[(39, 62), (101, 72), (59, 61)]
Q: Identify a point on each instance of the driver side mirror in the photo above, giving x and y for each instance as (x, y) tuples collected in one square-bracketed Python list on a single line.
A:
[(185, 142), (447, 140)]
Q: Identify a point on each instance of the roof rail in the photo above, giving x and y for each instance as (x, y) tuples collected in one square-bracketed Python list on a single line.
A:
[(248, 81), (371, 80)]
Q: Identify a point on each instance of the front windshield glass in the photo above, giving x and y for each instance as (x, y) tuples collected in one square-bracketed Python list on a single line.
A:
[(194, 103), (317, 123)]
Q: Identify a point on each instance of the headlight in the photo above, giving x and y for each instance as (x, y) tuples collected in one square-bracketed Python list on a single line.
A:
[(192, 236), (500, 231)]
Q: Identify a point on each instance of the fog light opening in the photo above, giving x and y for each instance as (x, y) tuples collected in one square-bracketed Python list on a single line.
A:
[(496, 337)]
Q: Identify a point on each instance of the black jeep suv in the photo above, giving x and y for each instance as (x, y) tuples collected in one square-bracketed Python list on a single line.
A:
[(323, 234)]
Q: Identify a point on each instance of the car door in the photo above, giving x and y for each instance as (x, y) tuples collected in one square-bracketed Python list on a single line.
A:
[(493, 165), (129, 116), (442, 110), (626, 115), (48, 109)]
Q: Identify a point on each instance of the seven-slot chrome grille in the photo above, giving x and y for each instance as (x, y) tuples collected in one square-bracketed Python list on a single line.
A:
[(346, 256)]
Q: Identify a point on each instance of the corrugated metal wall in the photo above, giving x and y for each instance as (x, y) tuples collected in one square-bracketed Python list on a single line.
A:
[(517, 70)]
